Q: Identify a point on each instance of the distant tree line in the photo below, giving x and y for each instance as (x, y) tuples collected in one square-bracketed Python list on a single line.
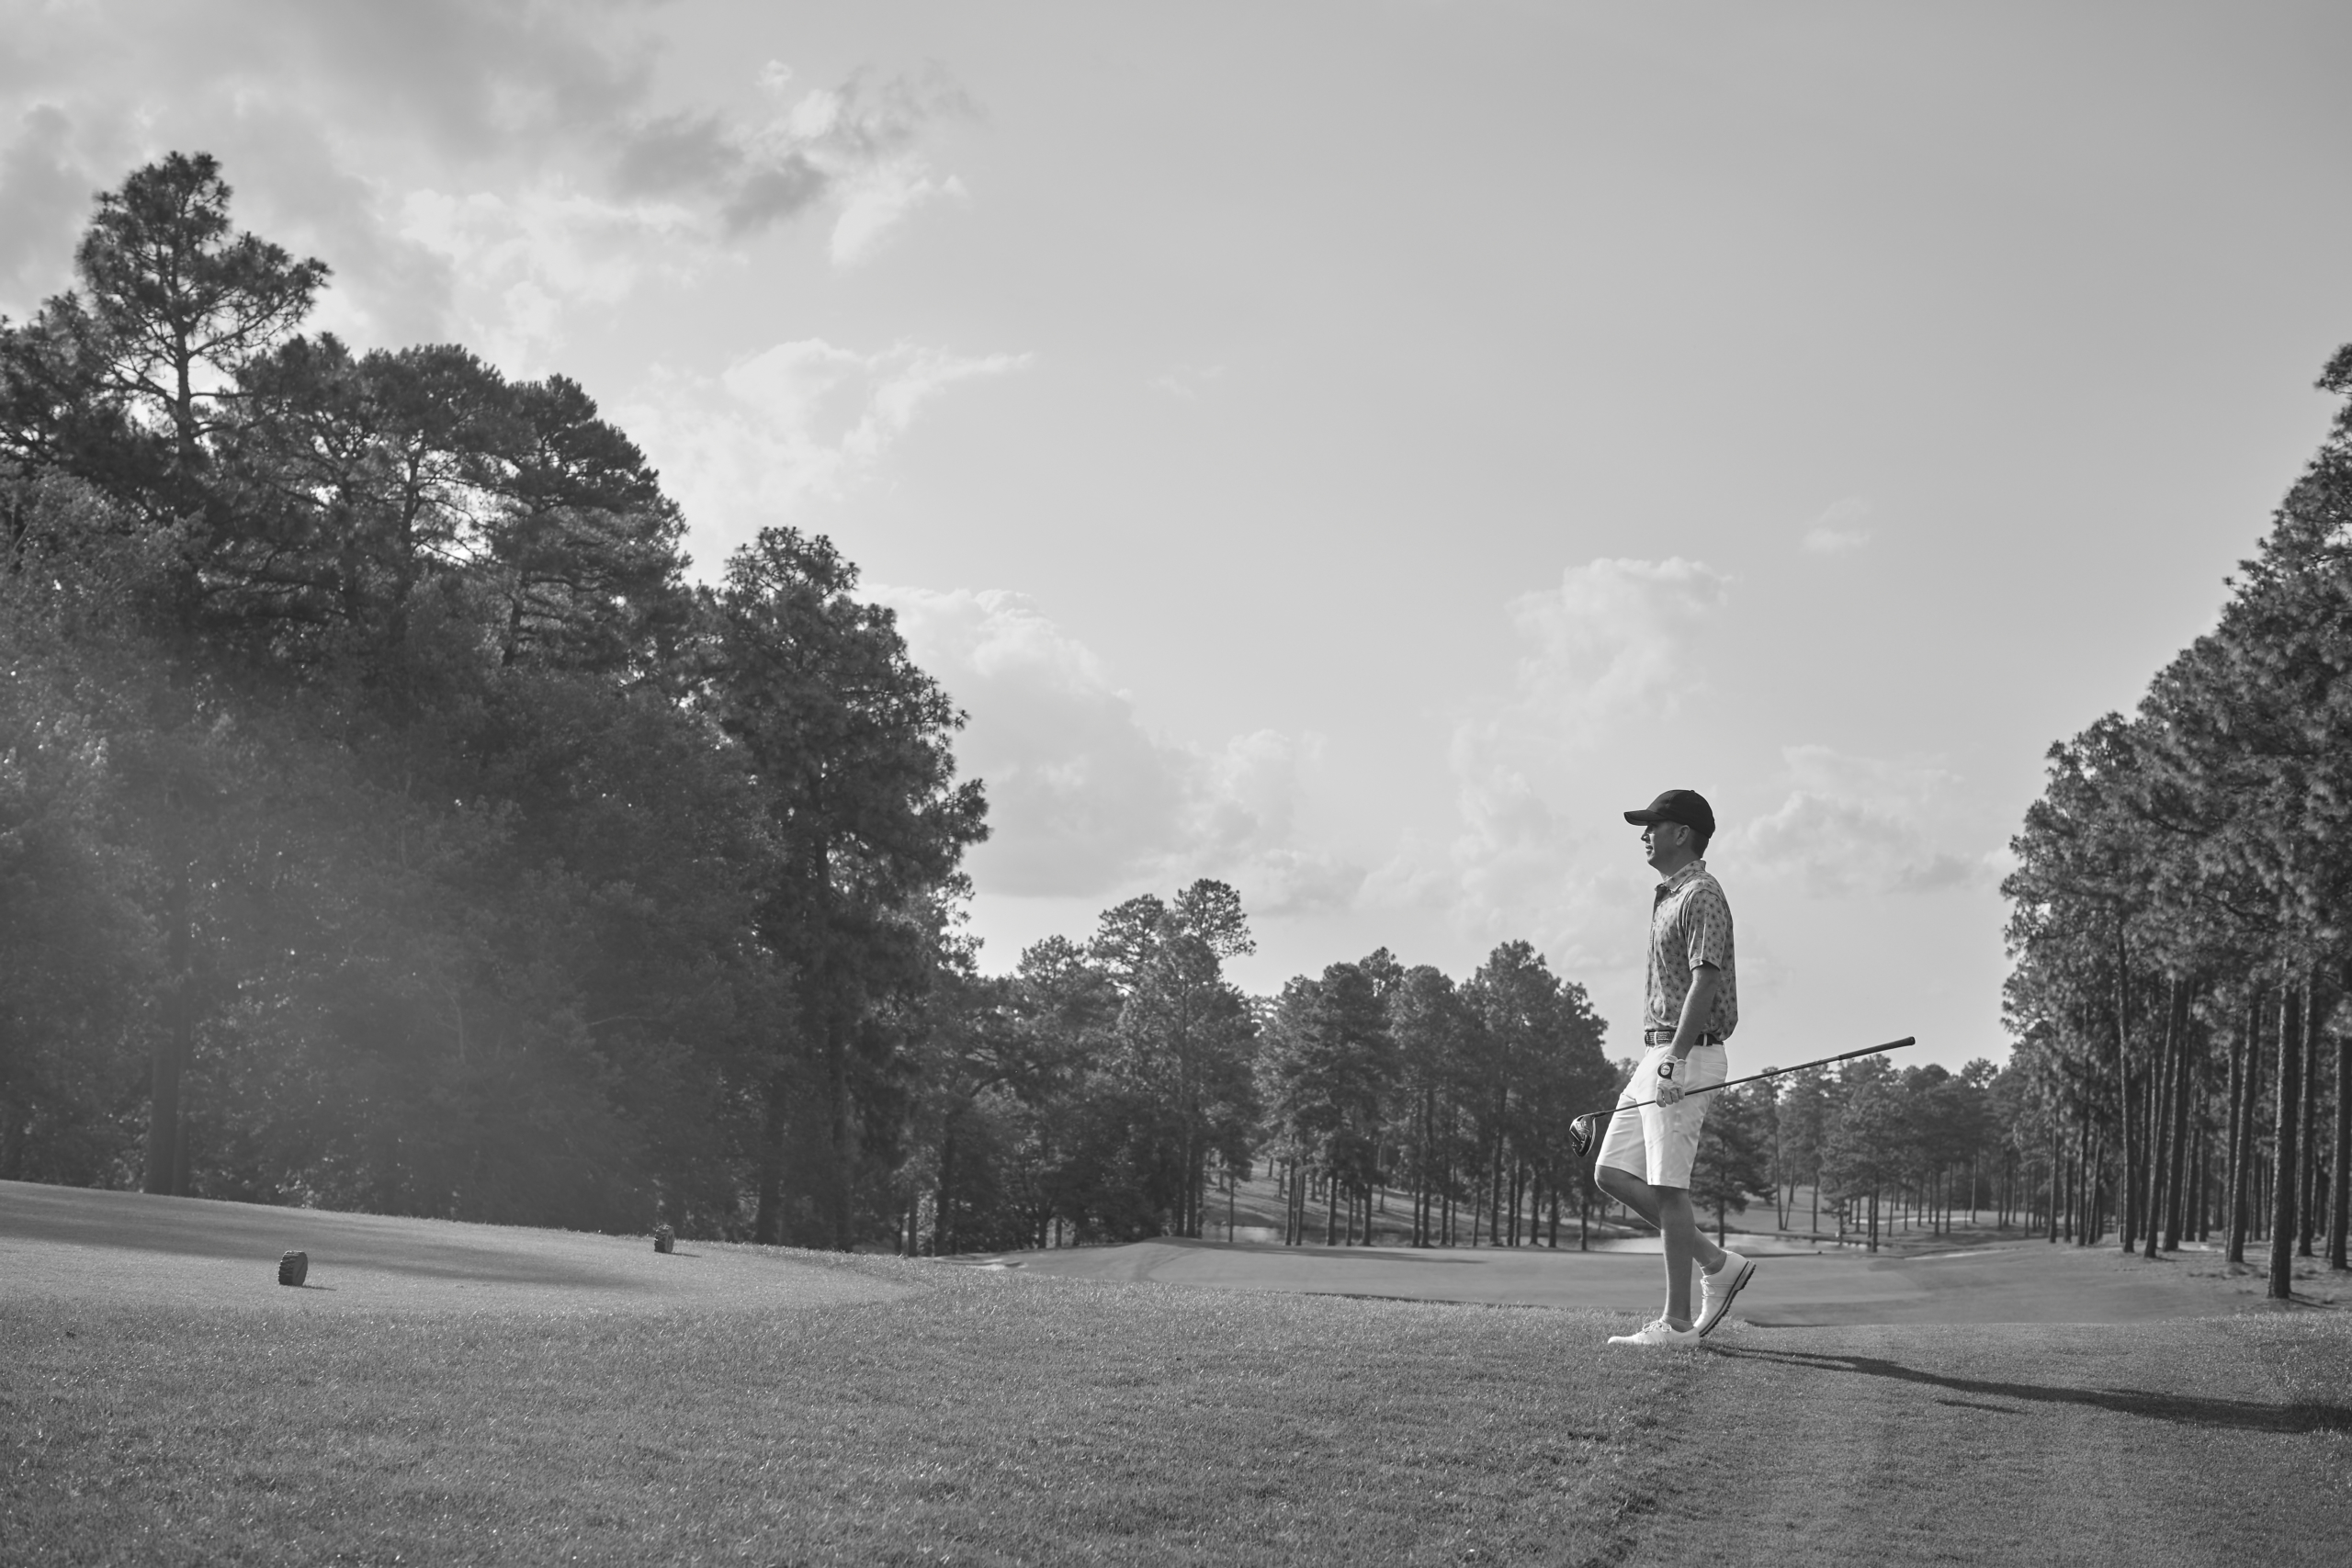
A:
[(1458, 1096), (2179, 928), (1880, 1147)]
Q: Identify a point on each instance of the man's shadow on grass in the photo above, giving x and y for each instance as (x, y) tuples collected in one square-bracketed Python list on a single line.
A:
[(2186, 1410)]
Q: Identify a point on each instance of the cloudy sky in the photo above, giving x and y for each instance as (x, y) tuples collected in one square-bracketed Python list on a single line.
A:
[(1355, 450)]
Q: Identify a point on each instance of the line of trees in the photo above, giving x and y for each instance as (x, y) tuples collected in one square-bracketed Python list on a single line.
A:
[(387, 822), (1882, 1147), (2181, 956), (1088, 1095), (1870, 1150), (1460, 1096)]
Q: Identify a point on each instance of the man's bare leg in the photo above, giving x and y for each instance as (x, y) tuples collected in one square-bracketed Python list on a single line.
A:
[(1678, 1224), (1669, 1210)]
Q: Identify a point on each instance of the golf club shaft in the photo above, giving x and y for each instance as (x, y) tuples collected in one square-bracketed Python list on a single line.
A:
[(1770, 1073)]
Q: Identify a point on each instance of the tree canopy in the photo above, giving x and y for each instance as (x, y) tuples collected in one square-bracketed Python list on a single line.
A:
[(2179, 912)]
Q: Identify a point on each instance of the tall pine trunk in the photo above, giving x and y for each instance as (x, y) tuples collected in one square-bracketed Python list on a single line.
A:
[(2229, 1142), (1493, 1194), (2183, 1091), (840, 1167), (2095, 1190), (2242, 1132), (2128, 1188), (2160, 1118), (2062, 1183), (767, 1218), (943, 1221), (2307, 1166), (2340, 1168), (2283, 1167), (1432, 1170), (2201, 1187), (174, 1044)]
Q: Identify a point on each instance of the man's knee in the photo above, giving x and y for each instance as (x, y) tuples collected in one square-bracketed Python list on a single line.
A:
[(1617, 1183)]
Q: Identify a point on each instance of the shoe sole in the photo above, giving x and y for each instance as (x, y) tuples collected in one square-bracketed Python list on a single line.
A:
[(1747, 1271)]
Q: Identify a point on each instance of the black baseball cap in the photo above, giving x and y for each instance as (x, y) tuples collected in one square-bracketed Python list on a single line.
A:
[(1687, 807)]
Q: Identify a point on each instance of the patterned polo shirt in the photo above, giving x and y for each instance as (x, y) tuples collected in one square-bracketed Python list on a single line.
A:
[(1691, 925)]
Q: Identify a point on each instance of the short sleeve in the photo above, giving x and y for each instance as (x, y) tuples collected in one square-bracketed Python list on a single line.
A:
[(1706, 928)]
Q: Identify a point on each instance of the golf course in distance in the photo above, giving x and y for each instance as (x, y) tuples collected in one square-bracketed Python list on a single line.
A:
[(445, 1392)]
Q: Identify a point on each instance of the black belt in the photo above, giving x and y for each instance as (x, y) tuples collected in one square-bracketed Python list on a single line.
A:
[(1666, 1037)]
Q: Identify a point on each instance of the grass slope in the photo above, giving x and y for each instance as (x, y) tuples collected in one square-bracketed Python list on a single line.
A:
[(162, 1400), (591, 1403), (977, 1419), (128, 1248), (2014, 1281)]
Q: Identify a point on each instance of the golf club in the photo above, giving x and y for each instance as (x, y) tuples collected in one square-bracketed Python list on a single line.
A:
[(1580, 1130)]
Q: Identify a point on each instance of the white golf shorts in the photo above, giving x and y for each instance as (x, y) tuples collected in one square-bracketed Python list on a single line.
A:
[(1659, 1143)]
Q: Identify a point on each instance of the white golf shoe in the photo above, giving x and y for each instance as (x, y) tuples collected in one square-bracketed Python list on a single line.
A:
[(1659, 1332), (1716, 1289)]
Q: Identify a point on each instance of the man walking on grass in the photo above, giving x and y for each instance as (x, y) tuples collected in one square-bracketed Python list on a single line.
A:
[(1691, 1007)]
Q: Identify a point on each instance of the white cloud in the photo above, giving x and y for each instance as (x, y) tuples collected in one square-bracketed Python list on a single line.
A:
[(527, 259), (438, 154), (1185, 382), (1243, 826), (853, 147), (42, 203), (1083, 798), (799, 420), (1838, 529), (1835, 847), (1610, 645), (1860, 824), (880, 200), (1611, 663)]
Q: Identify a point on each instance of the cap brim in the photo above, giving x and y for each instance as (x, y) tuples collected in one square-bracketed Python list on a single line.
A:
[(1647, 818)]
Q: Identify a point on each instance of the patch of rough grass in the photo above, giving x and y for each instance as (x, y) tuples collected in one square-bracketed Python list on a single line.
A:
[(986, 1419)]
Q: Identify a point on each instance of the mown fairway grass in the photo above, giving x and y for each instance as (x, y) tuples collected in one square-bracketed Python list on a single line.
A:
[(984, 1418)]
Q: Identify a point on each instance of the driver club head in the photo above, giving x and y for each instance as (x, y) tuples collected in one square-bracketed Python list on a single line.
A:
[(1580, 1136)]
